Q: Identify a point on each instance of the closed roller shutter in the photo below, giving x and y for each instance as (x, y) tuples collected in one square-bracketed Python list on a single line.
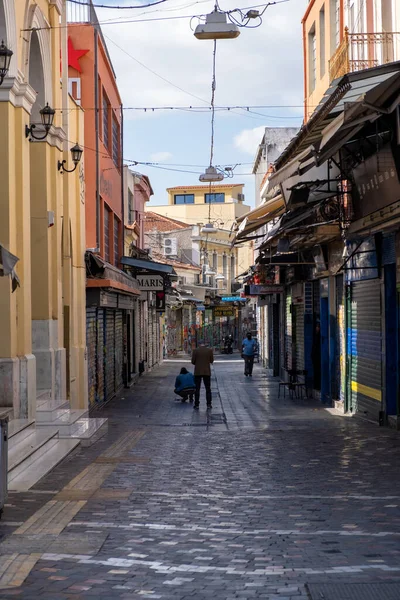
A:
[(288, 332), (366, 348), (299, 320), (100, 356), (109, 345), (91, 345), (119, 349), (340, 382)]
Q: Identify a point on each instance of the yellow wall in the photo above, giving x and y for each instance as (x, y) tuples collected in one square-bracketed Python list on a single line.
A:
[(32, 344), (325, 48), (231, 192), (200, 212)]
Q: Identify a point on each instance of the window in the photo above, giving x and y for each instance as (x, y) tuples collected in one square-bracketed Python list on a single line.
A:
[(184, 199), (115, 141), (312, 59), (232, 267), (106, 234), (116, 241), (322, 65), (131, 208), (225, 267), (334, 24), (106, 107), (214, 198)]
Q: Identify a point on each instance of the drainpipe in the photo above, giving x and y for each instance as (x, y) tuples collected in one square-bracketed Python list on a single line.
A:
[(96, 121), (305, 70), (122, 180)]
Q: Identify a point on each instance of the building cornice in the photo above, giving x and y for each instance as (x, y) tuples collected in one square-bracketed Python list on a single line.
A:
[(57, 4), (19, 93), (56, 137)]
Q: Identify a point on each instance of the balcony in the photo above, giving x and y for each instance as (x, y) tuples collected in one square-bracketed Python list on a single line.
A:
[(360, 51)]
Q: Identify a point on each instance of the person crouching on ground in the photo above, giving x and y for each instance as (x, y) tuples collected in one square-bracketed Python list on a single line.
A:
[(202, 358), (248, 351), (185, 385)]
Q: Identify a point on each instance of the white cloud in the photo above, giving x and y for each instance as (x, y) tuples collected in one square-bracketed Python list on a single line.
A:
[(160, 156), (249, 139), (261, 66)]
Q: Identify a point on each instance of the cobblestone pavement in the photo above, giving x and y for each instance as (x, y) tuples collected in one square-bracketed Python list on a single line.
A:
[(255, 499)]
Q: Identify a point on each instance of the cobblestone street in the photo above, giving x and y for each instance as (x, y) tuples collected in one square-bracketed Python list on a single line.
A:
[(259, 498)]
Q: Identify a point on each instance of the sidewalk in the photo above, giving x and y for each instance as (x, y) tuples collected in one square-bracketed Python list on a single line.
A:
[(256, 499)]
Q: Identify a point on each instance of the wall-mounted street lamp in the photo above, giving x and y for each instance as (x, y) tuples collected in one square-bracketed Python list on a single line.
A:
[(5, 59), (47, 115), (76, 154)]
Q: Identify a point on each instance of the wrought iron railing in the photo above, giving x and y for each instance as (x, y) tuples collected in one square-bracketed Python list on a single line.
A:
[(360, 51)]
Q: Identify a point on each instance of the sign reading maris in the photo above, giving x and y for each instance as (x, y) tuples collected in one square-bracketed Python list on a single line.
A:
[(150, 283)]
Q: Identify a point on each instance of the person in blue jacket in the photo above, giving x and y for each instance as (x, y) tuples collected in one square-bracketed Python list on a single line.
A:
[(185, 385)]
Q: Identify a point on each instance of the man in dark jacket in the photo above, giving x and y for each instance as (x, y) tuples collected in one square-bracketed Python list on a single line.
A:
[(202, 358)]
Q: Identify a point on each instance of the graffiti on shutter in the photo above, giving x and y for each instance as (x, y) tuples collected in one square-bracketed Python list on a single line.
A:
[(288, 332), (119, 349), (91, 345), (109, 348), (299, 320), (365, 345), (100, 355)]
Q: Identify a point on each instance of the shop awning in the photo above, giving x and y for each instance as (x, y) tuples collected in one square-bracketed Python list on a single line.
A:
[(147, 265), (259, 217), (191, 299), (355, 97)]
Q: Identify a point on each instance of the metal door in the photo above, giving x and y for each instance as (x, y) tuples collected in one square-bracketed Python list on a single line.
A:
[(365, 346), (119, 349), (288, 332), (91, 345), (299, 323), (109, 348)]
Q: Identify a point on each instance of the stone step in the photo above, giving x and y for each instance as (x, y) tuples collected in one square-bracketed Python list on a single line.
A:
[(88, 431), (23, 454), (18, 429), (55, 452), (48, 410), (42, 396), (63, 420)]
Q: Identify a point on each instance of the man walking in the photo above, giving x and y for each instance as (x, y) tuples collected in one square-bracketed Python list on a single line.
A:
[(249, 347), (202, 358)]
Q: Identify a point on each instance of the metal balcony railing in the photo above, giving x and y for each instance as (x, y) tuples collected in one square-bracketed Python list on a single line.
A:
[(360, 51)]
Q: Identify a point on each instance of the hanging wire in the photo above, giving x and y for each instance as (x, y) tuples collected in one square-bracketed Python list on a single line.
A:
[(213, 86)]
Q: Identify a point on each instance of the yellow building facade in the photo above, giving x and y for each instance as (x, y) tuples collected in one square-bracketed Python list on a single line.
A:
[(189, 204), (42, 346), (220, 205)]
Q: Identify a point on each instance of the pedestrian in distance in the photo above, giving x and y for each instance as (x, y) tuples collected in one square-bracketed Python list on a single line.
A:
[(202, 359), (185, 385), (249, 347)]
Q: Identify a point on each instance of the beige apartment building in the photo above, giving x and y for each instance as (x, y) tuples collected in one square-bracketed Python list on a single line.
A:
[(344, 36), (218, 206)]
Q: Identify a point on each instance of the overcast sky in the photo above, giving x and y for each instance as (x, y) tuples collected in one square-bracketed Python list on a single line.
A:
[(263, 66)]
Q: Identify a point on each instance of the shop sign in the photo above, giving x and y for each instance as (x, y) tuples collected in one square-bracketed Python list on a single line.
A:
[(233, 299), (200, 307), (262, 290), (150, 283), (377, 183), (224, 311)]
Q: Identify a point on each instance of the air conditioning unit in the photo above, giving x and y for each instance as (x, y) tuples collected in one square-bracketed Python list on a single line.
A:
[(241, 197), (170, 246)]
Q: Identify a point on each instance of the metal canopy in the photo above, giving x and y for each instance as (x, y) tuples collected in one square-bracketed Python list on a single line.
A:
[(372, 85), (147, 265)]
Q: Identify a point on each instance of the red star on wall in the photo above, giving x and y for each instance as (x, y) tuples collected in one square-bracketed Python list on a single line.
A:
[(74, 56)]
